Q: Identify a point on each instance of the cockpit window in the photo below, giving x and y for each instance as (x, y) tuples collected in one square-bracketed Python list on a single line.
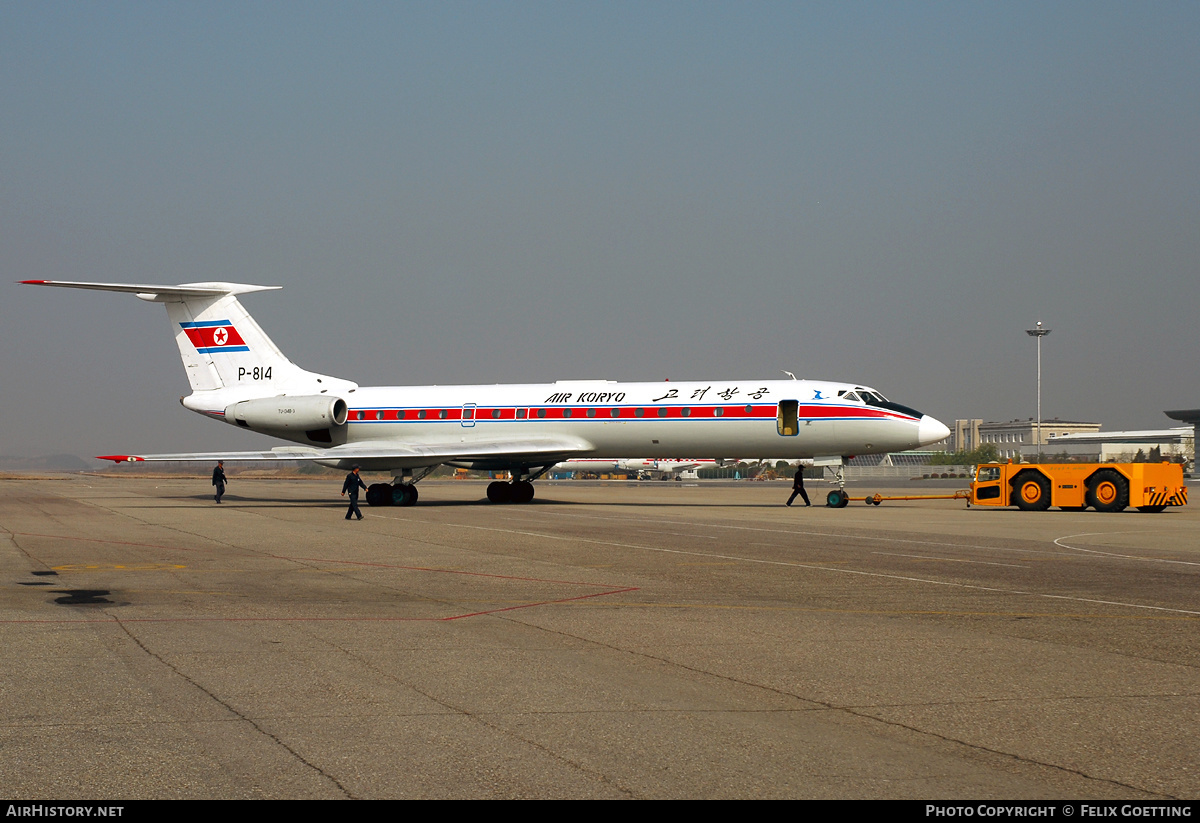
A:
[(874, 398), (871, 396), (850, 396)]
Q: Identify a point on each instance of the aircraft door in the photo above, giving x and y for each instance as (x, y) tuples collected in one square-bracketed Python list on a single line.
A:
[(787, 418), (468, 415)]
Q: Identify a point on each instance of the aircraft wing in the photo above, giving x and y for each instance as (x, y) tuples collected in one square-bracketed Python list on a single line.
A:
[(383, 455)]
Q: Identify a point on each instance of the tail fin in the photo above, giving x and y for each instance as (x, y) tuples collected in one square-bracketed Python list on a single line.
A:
[(220, 344)]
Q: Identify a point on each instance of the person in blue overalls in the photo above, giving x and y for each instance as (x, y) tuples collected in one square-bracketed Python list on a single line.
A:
[(219, 480), (798, 487), (351, 486)]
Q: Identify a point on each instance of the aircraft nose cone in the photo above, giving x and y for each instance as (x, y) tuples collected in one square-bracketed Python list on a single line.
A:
[(930, 430)]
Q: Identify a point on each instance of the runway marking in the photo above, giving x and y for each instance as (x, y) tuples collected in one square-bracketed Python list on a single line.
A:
[(950, 560), (111, 542), (436, 570), (335, 563), (645, 531), (892, 612), (445, 619), (1058, 542), (791, 564), (794, 533), (136, 567)]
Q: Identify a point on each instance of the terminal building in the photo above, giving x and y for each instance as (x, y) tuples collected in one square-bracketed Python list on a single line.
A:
[(1071, 440), (1016, 437), (1120, 446)]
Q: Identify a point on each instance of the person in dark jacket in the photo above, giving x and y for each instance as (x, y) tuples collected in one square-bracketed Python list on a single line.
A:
[(219, 480), (351, 486), (798, 487)]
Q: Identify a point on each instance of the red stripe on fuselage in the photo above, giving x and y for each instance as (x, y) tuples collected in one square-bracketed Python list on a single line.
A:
[(739, 412)]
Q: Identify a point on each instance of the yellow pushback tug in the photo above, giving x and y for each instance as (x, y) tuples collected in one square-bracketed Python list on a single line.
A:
[(1105, 487)]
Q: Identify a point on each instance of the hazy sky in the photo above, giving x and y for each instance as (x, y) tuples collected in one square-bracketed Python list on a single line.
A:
[(885, 193)]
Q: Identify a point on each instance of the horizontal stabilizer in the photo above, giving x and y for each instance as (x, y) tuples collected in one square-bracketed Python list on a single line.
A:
[(219, 343), (158, 293)]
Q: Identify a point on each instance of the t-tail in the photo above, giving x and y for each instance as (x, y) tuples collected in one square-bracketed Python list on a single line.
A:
[(235, 370)]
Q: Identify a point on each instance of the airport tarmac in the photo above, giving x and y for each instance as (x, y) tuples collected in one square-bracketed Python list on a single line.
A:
[(624, 640)]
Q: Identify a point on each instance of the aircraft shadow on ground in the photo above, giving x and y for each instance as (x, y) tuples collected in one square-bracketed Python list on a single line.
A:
[(323, 502)]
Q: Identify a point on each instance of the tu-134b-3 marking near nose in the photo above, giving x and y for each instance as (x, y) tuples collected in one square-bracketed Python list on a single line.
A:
[(238, 375)]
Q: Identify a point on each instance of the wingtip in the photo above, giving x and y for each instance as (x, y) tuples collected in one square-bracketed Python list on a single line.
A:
[(119, 458), (33, 282)]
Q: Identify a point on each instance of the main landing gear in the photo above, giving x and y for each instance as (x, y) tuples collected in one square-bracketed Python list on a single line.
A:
[(518, 491), (402, 491), (383, 494)]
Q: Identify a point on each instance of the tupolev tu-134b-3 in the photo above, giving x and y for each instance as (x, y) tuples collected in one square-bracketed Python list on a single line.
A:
[(238, 375)]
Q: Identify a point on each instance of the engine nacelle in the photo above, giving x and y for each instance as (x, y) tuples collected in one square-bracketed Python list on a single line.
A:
[(303, 413)]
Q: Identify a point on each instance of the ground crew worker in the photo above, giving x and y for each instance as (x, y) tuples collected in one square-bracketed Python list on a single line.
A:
[(352, 485), (219, 480), (798, 487)]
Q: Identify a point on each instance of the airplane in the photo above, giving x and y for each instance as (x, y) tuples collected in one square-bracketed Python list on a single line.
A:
[(239, 376)]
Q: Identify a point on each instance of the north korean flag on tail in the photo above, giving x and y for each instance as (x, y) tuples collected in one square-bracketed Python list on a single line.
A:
[(211, 336)]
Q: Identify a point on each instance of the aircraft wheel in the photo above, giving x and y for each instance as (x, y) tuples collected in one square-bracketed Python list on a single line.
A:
[(499, 491), (837, 499), (1031, 492), (379, 494), (404, 494), (522, 491), (1108, 492)]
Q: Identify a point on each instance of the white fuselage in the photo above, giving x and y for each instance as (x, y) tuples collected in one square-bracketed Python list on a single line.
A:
[(735, 418)]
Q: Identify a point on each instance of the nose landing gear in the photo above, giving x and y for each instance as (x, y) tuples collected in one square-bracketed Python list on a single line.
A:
[(837, 499)]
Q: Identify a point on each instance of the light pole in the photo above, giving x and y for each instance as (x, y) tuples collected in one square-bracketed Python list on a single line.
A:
[(1039, 333)]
